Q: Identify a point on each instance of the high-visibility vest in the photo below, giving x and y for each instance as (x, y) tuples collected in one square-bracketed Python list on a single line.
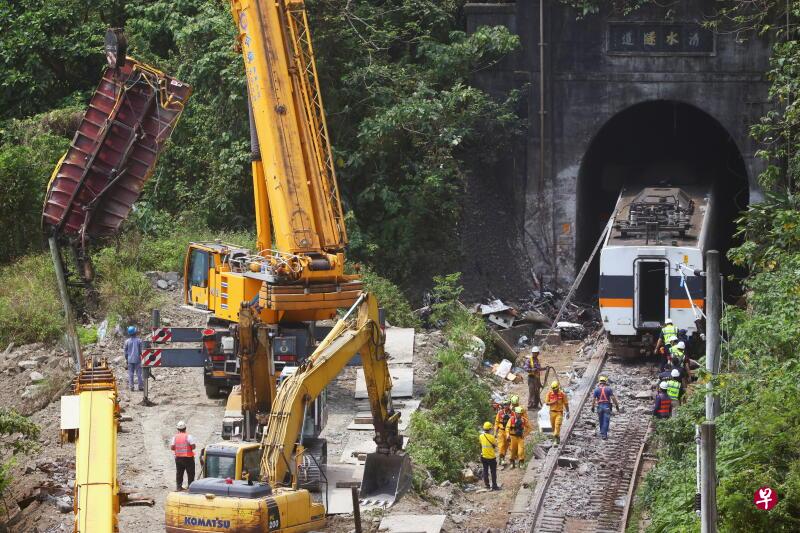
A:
[(182, 446), (604, 398), (664, 405), (559, 399), (535, 367), (516, 425), (668, 331), (488, 442), (673, 389), (501, 419)]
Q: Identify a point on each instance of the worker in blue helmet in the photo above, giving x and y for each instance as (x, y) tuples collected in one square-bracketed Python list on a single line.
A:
[(133, 356)]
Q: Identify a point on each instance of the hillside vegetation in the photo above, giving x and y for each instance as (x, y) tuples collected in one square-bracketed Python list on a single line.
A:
[(406, 125)]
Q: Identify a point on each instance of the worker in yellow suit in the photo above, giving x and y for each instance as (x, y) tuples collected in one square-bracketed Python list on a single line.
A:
[(558, 401), (488, 443), (517, 428), (500, 421)]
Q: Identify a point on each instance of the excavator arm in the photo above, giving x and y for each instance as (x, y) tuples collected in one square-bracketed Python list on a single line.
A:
[(357, 332)]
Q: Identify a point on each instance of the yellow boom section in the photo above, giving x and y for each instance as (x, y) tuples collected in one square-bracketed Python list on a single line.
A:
[(351, 335), (302, 197), (96, 490)]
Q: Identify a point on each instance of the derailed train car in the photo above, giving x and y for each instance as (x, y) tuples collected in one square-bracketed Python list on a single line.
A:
[(650, 262)]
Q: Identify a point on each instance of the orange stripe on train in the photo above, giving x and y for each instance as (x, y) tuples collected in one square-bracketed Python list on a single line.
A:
[(616, 302), (678, 303)]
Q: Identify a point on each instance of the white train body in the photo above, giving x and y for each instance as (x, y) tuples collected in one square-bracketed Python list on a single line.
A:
[(647, 265)]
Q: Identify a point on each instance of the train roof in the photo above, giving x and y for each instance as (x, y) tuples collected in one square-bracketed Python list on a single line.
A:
[(662, 216)]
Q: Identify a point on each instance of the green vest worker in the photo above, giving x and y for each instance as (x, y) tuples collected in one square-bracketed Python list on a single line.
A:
[(488, 456)]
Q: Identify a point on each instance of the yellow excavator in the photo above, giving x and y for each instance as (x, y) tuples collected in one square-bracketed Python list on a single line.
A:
[(275, 503)]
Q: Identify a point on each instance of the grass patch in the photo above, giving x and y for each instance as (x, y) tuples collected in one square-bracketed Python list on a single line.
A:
[(30, 309)]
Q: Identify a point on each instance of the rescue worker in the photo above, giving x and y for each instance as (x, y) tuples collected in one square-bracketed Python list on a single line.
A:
[(500, 422), (516, 428), (488, 456), (534, 369), (183, 446), (667, 331), (674, 387), (133, 357), (671, 342), (663, 405), (558, 402), (601, 400)]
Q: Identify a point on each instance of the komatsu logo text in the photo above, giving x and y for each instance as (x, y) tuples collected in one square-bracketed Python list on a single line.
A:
[(206, 522)]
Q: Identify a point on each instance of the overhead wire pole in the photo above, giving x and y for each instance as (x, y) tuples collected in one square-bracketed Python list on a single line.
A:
[(708, 445)]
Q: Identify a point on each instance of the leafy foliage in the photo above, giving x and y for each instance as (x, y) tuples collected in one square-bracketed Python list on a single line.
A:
[(391, 299), (444, 434)]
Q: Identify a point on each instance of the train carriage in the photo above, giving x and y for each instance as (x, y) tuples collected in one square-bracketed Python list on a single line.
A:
[(650, 262)]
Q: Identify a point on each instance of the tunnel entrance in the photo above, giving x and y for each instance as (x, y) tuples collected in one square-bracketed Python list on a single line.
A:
[(652, 143)]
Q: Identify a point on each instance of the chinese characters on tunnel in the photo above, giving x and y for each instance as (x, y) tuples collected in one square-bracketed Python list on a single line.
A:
[(686, 38)]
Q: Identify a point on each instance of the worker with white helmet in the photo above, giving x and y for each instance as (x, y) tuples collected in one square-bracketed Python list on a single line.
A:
[(667, 331), (183, 446), (674, 387), (663, 404), (534, 369)]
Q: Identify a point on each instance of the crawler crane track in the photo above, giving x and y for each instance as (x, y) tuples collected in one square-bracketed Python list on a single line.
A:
[(593, 491)]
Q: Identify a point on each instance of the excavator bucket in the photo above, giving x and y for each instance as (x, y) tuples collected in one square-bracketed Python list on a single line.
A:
[(386, 478)]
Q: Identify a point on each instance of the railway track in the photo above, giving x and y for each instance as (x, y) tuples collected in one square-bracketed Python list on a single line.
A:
[(586, 484)]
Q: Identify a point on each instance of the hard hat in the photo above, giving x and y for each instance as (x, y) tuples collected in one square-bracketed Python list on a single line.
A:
[(603, 379), (681, 345), (663, 385), (668, 321), (518, 409), (181, 425), (514, 400), (672, 338), (535, 349), (487, 425), (131, 330), (675, 373), (506, 403), (554, 385)]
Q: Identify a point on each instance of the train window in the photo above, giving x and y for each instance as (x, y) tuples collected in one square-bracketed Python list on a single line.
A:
[(652, 282)]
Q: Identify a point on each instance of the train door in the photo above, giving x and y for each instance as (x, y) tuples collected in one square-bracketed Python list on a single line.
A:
[(651, 292)]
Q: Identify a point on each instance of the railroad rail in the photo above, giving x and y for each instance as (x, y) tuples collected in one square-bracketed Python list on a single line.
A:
[(586, 484)]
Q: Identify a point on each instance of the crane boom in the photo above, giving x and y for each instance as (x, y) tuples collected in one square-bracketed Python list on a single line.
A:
[(296, 161)]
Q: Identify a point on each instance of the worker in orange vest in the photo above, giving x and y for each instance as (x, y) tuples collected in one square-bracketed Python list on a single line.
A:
[(183, 445), (517, 428), (558, 401), (500, 421)]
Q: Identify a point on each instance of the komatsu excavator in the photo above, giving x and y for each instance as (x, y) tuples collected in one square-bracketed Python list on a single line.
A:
[(275, 503)]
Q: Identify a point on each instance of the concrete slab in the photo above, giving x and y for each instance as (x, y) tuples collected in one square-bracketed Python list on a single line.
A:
[(412, 523), (340, 500), (400, 345), (406, 407), (402, 382)]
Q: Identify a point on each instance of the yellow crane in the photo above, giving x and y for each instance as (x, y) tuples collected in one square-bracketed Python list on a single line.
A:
[(272, 297), (275, 503), (90, 419)]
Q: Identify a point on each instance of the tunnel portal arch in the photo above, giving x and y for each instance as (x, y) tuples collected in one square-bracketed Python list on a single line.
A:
[(654, 142)]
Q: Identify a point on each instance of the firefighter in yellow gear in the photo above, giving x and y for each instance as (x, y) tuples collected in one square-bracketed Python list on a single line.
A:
[(488, 457), (558, 401), (500, 422), (517, 428)]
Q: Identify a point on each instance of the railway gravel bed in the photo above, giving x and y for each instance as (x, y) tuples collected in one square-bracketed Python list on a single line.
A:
[(589, 487)]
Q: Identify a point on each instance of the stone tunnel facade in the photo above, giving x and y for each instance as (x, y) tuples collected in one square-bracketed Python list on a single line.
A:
[(689, 87)]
